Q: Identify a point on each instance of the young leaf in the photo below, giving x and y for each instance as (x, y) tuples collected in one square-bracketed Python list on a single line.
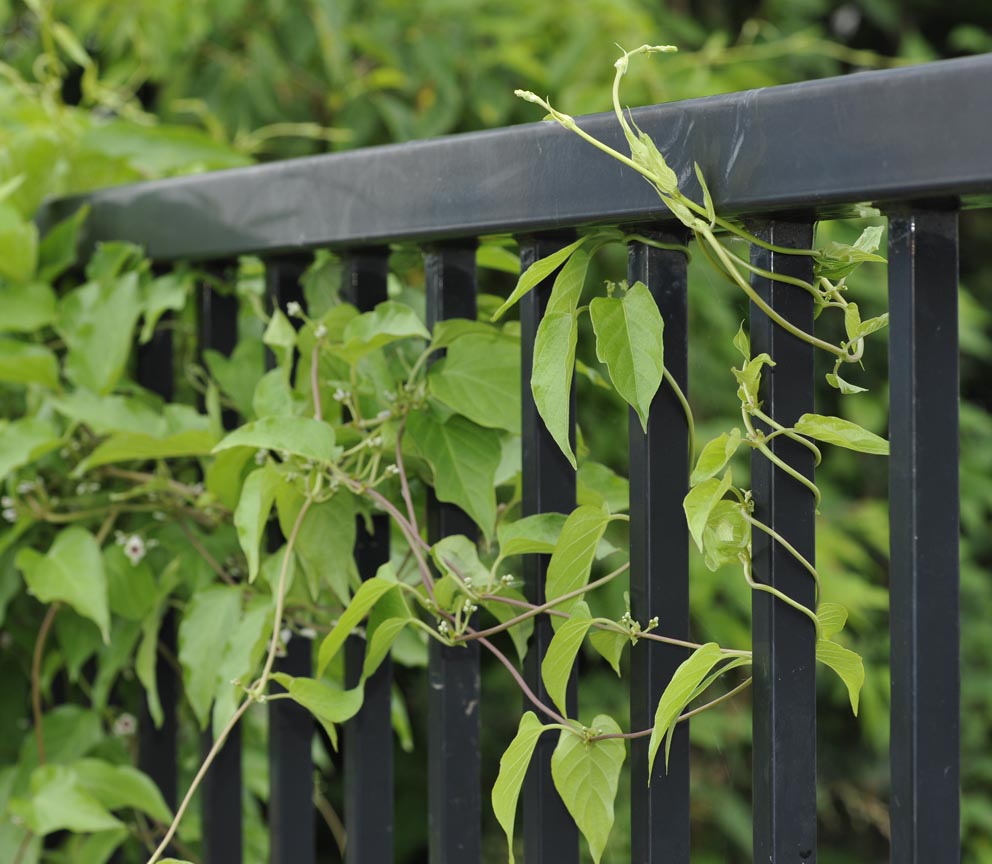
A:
[(463, 457), (58, 249), (560, 657), (568, 284), (27, 363), (707, 197), (743, 343), (252, 513), (381, 641), (679, 693), (846, 664), (574, 552), (300, 436), (22, 441), (610, 646), (120, 786), (458, 555), (845, 387), (388, 322), (715, 455), (137, 446), (57, 802), (512, 769), (842, 433), (531, 534), (750, 377), (551, 378), (832, 618), (72, 572), (480, 379), (325, 700), (26, 306), (629, 340), (538, 272), (838, 260), (365, 598), (586, 775), (700, 501), (600, 486), (726, 534)]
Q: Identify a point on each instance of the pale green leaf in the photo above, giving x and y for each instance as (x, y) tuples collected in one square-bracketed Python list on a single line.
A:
[(136, 446), (715, 455), (600, 486), (531, 534), (246, 644), (463, 457), (538, 272), (679, 692), (586, 775), (388, 322), (842, 433), (556, 667), (361, 604), (120, 786), (743, 343), (59, 247), (381, 641), (131, 588), (629, 340), (328, 702), (832, 618), (18, 244), (480, 379), (22, 441), (108, 414), (72, 572), (59, 803), (750, 377), (846, 664), (27, 306), (567, 287), (207, 621), (700, 501), (458, 555), (519, 633), (707, 197), (513, 766), (28, 363), (167, 293), (837, 260), (300, 436), (494, 257), (574, 553), (845, 387), (551, 378), (447, 331), (726, 534)]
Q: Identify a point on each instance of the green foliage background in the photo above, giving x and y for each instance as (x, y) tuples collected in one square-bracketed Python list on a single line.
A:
[(155, 88)]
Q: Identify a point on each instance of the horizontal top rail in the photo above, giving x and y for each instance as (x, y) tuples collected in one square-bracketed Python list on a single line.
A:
[(911, 133)]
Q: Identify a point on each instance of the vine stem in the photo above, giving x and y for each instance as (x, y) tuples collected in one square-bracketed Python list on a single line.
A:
[(39, 652), (688, 414), (643, 733), (537, 610), (757, 441), (788, 433), (785, 544), (785, 598), (318, 410), (518, 678)]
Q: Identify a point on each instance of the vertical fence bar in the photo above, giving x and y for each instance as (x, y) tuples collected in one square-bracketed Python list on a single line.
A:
[(659, 565), (157, 748), (924, 516), (784, 779), (550, 835), (453, 756), (222, 788), (291, 808), (368, 737)]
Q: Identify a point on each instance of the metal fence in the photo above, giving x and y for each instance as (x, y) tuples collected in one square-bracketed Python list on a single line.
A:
[(913, 141)]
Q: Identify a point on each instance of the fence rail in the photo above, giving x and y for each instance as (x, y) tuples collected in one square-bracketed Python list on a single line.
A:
[(914, 141)]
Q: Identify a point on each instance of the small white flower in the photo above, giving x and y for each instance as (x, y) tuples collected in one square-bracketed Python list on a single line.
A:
[(392, 470), (320, 331), (307, 633), (24, 487), (6, 501), (125, 725), (196, 488), (507, 579), (261, 456), (159, 516), (285, 635), (294, 310), (134, 548), (443, 628), (340, 395), (383, 415), (10, 514)]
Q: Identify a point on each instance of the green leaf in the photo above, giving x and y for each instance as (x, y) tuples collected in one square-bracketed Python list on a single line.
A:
[(838, 260), (538, 272), (513, 766), (556, 667), (551, 378), (842, 433), (845, 387), (629, 340), (301, 436), (600, 486), (609, 645), (166, 293), (846, 664), (750, 377), (458, 555), (209, 618), (388, 322), (381, 641), (519, 633), (27, 306), (463, 457), (480, 379), (567, 287), (586, 775), (715, 455), (59, 248), (645, 153), (108, 414), (59, 803), (832, 618), (72, 572), (743, 343), (280, 335), (726, 535), (700, 501), (328, 702), (27, 363), (135, 446), (361, 604), (494, 257), (856, 328), (131, 588), (447, 331), (707, 197), (97, 323), (246, 644), (120, 786), (23, 441), (574, 552), (531, 534), (678, 693), (238, 375), (18, 244)]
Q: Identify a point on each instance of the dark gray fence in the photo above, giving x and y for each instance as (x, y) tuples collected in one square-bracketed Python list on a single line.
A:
[(915, 142)]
